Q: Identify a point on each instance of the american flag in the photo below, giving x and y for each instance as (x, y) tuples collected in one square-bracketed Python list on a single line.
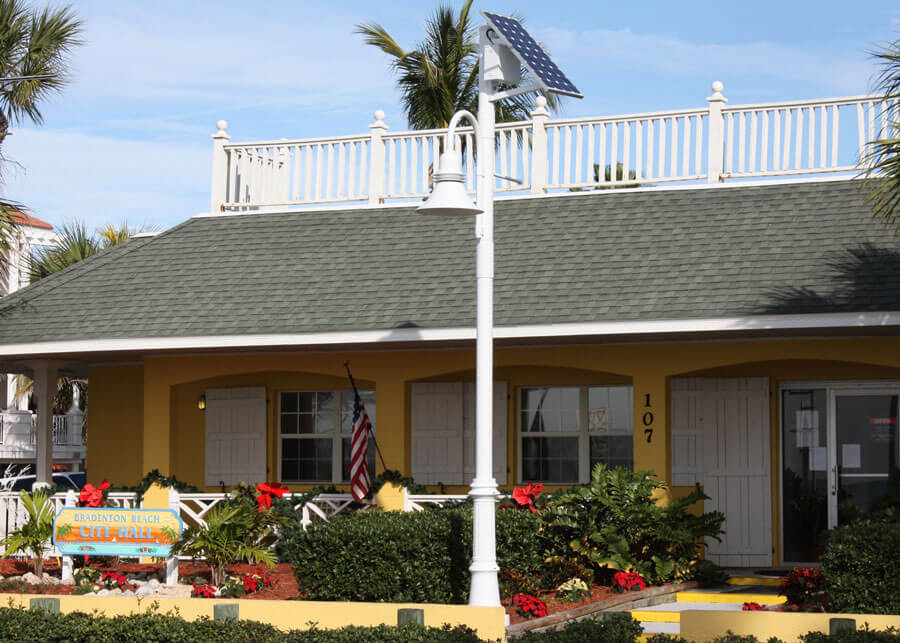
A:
[(359, 448)]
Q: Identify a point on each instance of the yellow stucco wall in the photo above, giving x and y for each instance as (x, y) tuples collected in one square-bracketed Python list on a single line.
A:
[(173, 428), (788, 626), (116, 424), (487, 621)]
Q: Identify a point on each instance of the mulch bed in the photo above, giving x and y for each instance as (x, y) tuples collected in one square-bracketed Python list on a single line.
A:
[(555, 605)]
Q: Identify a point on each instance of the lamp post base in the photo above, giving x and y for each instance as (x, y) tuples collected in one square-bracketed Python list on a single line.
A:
[(485, 588)]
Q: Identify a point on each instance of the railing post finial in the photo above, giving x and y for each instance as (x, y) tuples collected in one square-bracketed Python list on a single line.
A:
[(376, 160), (219, 191), (539, 145), (715, 162)]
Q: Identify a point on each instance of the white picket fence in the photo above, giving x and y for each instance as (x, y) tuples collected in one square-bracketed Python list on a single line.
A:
[(711, 143)]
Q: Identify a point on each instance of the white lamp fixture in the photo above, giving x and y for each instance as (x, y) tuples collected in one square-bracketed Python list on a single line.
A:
[(449, 196), (505, 47)]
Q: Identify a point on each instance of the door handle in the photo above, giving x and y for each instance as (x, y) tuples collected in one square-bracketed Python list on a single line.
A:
[(834, 480)]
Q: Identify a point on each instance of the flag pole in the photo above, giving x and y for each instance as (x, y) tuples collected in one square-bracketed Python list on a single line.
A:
[(371, 432)]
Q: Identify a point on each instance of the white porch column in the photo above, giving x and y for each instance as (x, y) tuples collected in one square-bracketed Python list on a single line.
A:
[(45, 376)]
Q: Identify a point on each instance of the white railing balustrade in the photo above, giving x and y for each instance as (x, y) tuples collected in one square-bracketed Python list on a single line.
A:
[(706, 144)]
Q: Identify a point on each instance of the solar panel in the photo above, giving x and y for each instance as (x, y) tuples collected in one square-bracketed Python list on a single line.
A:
[(531, 54)]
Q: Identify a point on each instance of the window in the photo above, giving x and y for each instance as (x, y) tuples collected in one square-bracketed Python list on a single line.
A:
[(564, 431), (314, 430)]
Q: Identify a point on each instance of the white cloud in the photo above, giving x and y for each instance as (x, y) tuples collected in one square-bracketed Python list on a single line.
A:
[(622, 48), (69, 175)]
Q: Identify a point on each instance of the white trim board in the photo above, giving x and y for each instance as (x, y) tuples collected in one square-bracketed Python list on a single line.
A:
[(623, 329)]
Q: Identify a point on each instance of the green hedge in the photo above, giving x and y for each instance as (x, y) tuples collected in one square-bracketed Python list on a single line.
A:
[(38, 626), (418, 557), (862, 568), (615, 628), (846, 636)]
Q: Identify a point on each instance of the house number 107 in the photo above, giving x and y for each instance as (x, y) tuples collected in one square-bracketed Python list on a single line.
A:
[(647, 419)]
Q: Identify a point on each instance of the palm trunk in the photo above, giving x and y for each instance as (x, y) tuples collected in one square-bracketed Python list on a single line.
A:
[(39, 566)]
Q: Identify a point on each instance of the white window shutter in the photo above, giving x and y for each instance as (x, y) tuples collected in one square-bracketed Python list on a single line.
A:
[(235, 435), (437, 433)]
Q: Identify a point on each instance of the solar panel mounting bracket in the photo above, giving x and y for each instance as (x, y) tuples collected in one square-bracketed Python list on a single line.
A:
[(516, 91)]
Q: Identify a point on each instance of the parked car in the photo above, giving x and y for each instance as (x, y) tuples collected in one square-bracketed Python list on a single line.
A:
[(64, 479)]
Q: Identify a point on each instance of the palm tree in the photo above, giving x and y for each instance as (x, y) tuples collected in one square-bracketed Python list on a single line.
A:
[(34, 49), (76, 244), (440, 76), (883, 157)]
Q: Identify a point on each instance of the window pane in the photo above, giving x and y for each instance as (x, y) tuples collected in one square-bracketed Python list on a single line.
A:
[(307, 423), (613, 450), (289, 423), (289, 402), (550, 459), (550, 410), (306, 460), (610, 409), (307, 400)]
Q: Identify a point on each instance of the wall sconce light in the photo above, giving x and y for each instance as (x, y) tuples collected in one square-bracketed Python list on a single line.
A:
[(201, 402)]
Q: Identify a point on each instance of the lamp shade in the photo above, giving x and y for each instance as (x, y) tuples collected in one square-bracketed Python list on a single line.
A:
[(449, 196)]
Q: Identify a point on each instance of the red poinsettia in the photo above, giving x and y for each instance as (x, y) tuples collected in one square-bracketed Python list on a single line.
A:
[(204, 591), (754, 607), (91, 496), (528, 605), (266, 490), (113, 578), (628, 582), (525, 496)]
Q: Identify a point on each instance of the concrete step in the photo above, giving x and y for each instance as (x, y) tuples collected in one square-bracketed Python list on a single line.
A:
[(661, 628), (763, 595)]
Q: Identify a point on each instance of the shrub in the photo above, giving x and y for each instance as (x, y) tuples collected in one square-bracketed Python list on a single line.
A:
[(38, 626), (614, 628), (614, 522), (865, 635), (802, 585), (862, 569), (34, 536), (402, 557)]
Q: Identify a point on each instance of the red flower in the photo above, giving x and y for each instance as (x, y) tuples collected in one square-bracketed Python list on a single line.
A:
[(525, 497), (529, 605), (204, 591), (264, 501), (628, 582), (91, 496), (110, 578), (754, 607)]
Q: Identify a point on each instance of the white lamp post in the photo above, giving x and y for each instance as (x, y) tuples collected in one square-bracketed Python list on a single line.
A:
[(504, 48)]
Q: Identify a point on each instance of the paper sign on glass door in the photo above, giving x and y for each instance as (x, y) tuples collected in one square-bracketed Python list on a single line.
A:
[(818, 459), (851, 456), (807, 422)]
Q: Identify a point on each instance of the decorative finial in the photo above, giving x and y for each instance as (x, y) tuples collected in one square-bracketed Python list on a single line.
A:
[(717, 86), (379, 115), (540, 102), (221, 125)]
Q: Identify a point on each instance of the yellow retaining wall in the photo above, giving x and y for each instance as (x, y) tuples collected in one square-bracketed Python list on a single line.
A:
[(788, 626), (489, 622)]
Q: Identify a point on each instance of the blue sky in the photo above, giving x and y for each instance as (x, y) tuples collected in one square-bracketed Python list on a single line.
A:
[(130, 137)]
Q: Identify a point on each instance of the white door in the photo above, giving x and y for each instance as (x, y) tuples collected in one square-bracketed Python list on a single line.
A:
[(443, 432), (720, 439), (235, 435)]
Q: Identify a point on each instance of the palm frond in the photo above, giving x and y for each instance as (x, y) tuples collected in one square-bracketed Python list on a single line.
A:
[(882, 157)]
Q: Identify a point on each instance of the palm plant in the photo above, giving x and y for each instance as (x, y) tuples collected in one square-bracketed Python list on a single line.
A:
[(440, 76), (34, 50), (232, 533), (882, 159), (34, 535)]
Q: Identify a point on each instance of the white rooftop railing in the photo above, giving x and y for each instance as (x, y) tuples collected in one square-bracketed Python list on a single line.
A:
[(707, 144)]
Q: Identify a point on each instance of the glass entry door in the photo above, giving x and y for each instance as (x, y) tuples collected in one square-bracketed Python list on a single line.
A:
[(840, 453), (865, 443)]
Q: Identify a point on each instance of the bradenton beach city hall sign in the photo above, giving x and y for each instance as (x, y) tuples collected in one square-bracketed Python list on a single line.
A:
[(116, 532)]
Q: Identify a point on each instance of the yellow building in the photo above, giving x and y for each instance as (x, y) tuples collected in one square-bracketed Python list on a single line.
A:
[(743, 337)]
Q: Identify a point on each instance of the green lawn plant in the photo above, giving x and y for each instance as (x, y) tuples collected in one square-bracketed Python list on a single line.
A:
[(33, 537), (232, 533), (616, 523)]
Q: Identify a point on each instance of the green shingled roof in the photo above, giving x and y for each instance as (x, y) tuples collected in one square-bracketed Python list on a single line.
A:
[(804, 247)]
